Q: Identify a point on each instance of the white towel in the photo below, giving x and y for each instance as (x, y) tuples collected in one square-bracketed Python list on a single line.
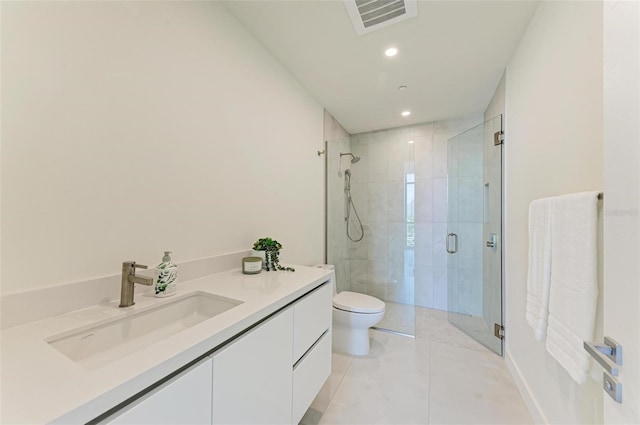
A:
[(539, 274), (573, 294)]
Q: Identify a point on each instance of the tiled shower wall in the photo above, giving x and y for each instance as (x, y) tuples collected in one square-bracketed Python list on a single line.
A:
[(384, 264)]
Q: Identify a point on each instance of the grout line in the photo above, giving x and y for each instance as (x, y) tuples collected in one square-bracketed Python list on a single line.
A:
[(340, 380)]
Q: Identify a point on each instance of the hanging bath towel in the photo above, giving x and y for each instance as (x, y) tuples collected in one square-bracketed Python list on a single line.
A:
[(573, 291)]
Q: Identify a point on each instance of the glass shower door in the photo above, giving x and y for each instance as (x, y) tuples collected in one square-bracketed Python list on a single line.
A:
[(474, 232)]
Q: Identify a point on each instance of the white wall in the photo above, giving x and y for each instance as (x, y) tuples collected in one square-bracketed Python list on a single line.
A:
[(130, 128), (621, 29), (553, 146)]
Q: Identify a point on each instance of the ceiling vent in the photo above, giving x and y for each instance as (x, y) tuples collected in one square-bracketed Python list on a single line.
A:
[(370, 15)]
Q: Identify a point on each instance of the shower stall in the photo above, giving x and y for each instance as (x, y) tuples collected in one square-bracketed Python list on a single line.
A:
[(414, 218)]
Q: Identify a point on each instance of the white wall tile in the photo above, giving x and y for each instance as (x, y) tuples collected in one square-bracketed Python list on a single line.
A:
[(424, 286), (358, 270), (377, 272), (424, 243), (360, 198), (470, 245), (470, 200), (453, 198), (378, 241), (396, 201), (399, 153), (440, 155), (440, 256), (440, 208), (470, 153), (424, 200), (424, 157), (377, 161), (378, 205), (396, 242)]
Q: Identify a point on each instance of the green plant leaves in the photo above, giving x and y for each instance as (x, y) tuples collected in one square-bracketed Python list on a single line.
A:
[(272, 251)]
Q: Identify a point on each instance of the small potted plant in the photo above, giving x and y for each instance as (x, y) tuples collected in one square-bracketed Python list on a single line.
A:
[(271, 249)]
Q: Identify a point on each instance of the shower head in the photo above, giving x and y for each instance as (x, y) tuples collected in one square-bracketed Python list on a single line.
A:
[(354, 158)]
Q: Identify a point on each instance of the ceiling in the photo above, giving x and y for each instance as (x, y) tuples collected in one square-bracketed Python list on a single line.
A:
[(451, 56)]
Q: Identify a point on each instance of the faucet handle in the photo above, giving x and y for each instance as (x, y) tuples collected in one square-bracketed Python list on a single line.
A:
[(133, 265)]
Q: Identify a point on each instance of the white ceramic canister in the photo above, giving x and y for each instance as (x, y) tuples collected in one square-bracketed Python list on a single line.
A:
[(251, 265)]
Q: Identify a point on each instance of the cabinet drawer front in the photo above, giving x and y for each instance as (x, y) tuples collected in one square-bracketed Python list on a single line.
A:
[(310, 375), (312, 317), (185, 399), (252, 375)]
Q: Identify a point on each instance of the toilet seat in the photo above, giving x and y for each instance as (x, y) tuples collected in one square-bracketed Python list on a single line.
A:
[(357, 303)]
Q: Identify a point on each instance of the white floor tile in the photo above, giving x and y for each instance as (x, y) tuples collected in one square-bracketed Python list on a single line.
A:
[(440, 377)]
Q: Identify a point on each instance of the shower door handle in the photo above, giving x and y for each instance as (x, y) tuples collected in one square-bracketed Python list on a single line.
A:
[(455, 239), (492, 242)]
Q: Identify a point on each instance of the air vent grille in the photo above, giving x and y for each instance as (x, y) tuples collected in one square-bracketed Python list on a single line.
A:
[(369, 15), (379, 11)]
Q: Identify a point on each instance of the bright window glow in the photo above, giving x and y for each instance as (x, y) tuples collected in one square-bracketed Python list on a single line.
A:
[(406, 113), (410, 202), (391, 51)]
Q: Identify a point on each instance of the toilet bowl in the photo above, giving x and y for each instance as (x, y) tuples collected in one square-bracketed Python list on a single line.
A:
[(353, 315)]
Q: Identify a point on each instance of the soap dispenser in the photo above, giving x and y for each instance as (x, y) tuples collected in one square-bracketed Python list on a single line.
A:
[(166, 277)]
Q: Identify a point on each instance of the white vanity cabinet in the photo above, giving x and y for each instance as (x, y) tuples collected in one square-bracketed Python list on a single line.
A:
[(268, 374), (312, 347), (252, 375), (184, 399), (271, 374)]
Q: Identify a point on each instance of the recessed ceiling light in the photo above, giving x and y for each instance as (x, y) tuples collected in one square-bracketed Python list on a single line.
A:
[(402, 88), (410, 142), (391, 51), (406, 113)]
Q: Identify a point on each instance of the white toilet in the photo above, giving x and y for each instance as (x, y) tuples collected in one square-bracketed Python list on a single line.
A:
[(353, 315)]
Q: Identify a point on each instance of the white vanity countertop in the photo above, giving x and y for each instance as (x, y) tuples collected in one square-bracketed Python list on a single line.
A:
[(41, 385)]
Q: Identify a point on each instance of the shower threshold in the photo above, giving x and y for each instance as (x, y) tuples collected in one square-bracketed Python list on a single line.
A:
[(389, 331)]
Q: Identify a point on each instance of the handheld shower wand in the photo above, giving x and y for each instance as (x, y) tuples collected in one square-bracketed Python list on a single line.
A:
[(349, 205)]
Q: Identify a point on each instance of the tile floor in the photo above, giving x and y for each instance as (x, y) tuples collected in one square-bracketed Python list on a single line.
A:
[(439, 377), (399, 317)]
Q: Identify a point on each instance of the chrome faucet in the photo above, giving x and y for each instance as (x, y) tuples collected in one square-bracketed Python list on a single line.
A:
[(129, 278)]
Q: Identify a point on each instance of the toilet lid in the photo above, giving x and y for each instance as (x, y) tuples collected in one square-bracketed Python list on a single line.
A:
[(358, 303)]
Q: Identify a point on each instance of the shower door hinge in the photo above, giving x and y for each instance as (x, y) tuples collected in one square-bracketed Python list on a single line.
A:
[(498, 138), (498, 331)]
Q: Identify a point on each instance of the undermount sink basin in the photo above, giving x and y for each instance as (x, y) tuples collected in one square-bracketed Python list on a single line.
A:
[(97, 345)]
